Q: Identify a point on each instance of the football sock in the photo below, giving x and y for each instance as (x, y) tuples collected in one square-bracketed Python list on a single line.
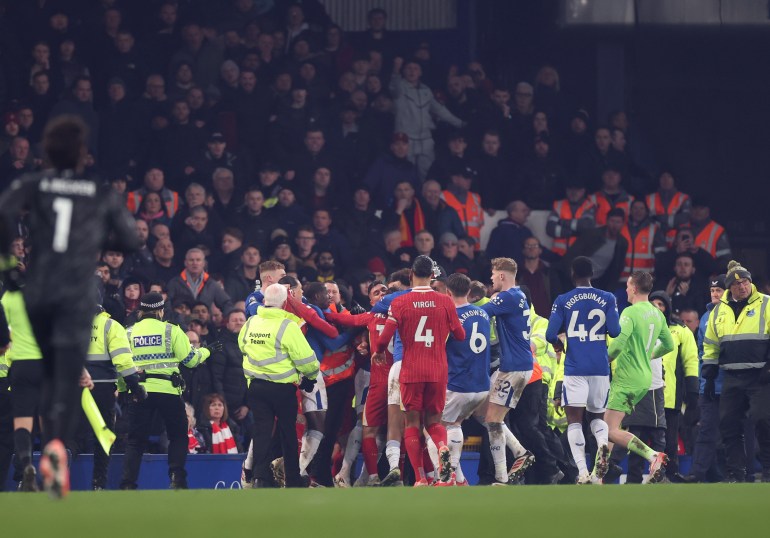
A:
[(601, 431), (370, 452), (577, 444), (427, 462), (437, 433), (352, 448), (455, 437), (392, 452), (414, 450), (248, 463), (636, 446), (512, 443), (22, 444), (310, 442), (497, 445)]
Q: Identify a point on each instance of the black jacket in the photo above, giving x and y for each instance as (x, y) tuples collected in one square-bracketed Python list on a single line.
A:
[(227, 371), (586, 245)]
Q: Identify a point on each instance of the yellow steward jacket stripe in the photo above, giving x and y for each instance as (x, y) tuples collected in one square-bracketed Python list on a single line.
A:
[(109, 353)]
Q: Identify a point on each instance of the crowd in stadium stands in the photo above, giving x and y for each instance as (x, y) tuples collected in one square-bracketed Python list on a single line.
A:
[(254, 130)]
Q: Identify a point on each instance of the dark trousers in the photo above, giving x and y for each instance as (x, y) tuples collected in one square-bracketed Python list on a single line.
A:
[(672, 441), (6, 431), (705, 456), (526, 421), (171, 409), (85, 440), (270, 401), (742, 393), (338, 396)]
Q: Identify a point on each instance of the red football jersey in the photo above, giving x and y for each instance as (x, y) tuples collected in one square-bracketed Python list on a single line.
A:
[(375, 323), (424, 320)]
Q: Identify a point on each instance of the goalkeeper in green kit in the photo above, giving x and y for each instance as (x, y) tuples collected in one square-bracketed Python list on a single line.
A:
[(644, 334)]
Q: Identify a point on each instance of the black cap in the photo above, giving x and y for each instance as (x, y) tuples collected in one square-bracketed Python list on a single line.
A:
[(216, 136), (464, 171), (718, 282), (151, 301), (278, 241)]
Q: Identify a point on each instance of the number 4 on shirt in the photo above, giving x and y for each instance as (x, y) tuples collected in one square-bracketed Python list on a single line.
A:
[(423, 335)]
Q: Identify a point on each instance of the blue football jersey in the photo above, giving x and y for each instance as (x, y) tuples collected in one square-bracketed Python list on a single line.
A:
[(469, 358), (381, 307), (511, 312), (587, 315)]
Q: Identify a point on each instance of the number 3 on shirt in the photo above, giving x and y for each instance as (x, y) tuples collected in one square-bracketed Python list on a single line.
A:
[(423, 335)]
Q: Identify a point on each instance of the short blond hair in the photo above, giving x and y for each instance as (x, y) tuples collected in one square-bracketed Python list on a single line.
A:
[(507, 265), (271, 265)]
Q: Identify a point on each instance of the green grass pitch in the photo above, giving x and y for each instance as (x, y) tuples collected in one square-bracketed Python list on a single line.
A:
[(652, 511)]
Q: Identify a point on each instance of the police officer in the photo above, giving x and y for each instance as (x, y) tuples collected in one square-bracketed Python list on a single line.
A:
[(159, 348), (276, 355), (737, 340), (109, 356)]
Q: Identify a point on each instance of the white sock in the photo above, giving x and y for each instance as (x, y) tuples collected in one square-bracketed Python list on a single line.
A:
[(512, 443), (432, 450), (577, 443), (352, 448), (310, 442), (393, 453), (455, 440), (248, 463), (601, 431), (497, 444)]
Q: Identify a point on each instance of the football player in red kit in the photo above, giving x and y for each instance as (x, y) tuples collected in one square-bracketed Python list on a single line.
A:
[(424, 319)]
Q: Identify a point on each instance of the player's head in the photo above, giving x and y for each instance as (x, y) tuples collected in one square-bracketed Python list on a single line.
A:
[(582, 269), (292, 285), (503, 273), (275, 295), (317, 294), (399, 280), (64, 142), (270, 272), (422, 268), (662, 302), (459, 285), (639, 285), (477, 292), (376, 291)]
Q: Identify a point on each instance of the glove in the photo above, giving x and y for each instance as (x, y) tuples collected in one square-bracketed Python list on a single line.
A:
[(307, 384), (709, 371), (710, 390), (138, 393), (214, 346)]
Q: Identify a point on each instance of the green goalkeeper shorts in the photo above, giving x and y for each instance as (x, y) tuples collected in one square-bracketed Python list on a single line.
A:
[(624, 398)]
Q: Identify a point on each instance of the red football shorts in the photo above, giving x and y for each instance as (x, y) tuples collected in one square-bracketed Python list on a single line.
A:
[(427, 396), (376, 406)]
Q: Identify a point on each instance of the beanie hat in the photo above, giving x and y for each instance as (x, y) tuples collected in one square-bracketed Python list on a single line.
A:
[(735, 272), (718, 282), (663, 296), (151, 301)]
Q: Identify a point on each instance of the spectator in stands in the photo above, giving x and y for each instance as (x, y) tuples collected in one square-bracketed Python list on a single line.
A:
[(439, 217), (255, 222), (118, 143), (637, 178), (164, 267), (406, 213), (598, 159), (359, 223), (461, 100), (570, 216), (197, 232), (16, 161), (688, 287), (467, 204), (327, 271), (227, 369), (495, 114), (80, 103), (709, 235), (415, 108), (389, 256), (669, 206), (542, 174), (424, 243), (497, 182), (449, 256), (321, 192), (577, 142), (241, 281), (507, 238), (377, 37), (288, 130), (194, 283), (228, 256), (612, 195), (177, 144), (288, 211), (216, 155), (480, 266), (152, 210), (42, 96), (389, 170), (645, 241), (139, 262), (331, 240), (684, 242), (606, 247), (224, 195), (305, 246), (153, 106), (252, 106), (29, 127), (314, 154), (548, 95), (131, 289), (204, 55), (542, 281), (280, 251), (154, 181), (521, 117), (453, 158)]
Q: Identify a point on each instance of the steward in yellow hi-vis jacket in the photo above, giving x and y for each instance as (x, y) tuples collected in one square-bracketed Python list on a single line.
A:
[(276, 355), (159, 348), (737, 340)]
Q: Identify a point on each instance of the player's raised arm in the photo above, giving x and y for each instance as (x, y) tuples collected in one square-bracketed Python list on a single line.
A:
[(311, 317), (350, 320)]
